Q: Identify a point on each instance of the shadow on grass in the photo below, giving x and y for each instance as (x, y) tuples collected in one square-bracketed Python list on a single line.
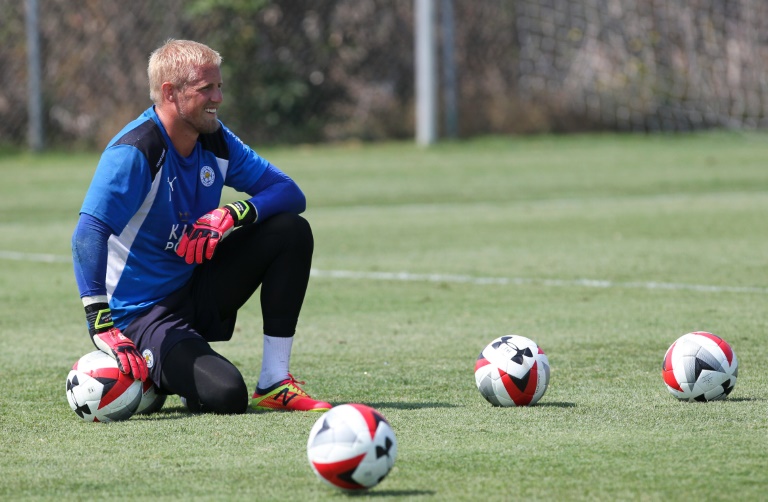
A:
[(166, 413), (391, 493), (741, 399), (548, 404), (408, 406), (419, 406), (177, 412)]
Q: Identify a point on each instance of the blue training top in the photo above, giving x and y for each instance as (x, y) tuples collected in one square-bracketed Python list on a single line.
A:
[(143, 197)]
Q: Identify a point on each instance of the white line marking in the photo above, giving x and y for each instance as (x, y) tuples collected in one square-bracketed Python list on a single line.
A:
[(35, 257), (589, 283), (458, 278)]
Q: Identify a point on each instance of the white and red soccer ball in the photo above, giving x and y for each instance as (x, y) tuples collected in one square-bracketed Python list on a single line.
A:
[(700, 366), (98, 392), (352, 447), (512, 370)]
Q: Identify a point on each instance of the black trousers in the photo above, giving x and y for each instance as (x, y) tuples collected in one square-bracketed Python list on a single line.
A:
[(274, 255)]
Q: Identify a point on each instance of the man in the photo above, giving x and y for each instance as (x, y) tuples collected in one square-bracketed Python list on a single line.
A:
[(162, 269)]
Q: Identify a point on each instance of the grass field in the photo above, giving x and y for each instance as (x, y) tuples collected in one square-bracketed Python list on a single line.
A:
[(603, 249)]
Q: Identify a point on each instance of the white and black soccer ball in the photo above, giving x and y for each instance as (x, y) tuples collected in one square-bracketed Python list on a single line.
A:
[(700, 366), (352, 447), (151, 399), (512, 370), (98, 392)]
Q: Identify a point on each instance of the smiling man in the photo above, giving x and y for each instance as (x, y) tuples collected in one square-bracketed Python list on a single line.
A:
[(162, 270)]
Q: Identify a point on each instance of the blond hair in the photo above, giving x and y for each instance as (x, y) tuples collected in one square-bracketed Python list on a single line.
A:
[(177, 61)]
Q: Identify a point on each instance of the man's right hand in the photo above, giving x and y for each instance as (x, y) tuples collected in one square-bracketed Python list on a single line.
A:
[(123, 350), (200, 241)]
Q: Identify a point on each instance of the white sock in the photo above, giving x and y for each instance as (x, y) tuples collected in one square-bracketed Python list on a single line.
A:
[(275, 361)]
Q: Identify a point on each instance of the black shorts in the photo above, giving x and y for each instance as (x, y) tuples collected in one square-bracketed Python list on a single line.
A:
[(188, 313)]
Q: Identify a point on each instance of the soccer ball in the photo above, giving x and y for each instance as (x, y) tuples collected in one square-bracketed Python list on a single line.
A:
[(700, 366), (151, 399), (98, 392), (352, 447), (512, 370)]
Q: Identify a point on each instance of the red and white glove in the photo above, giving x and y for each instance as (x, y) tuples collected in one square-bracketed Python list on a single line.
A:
[(117, 345), (200, 241), (111, 341)]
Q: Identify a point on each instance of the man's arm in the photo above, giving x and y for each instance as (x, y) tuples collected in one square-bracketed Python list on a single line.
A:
[(275, 192), (89, 256)]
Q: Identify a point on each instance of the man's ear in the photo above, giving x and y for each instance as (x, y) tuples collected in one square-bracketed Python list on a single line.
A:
[(167, 89)]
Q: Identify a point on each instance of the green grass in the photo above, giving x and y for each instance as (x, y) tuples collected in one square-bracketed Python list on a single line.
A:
[(654, 217)]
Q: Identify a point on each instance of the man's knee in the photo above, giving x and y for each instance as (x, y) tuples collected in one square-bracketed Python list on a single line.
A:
[(208, 381), (294, 227), (220, 386), (224, 397)]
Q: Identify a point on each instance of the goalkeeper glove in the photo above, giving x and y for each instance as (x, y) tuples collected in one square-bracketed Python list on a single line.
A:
[(111, 341), (199, 243)]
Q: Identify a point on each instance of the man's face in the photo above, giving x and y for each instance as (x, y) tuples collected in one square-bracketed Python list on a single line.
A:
[(199, 100)]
